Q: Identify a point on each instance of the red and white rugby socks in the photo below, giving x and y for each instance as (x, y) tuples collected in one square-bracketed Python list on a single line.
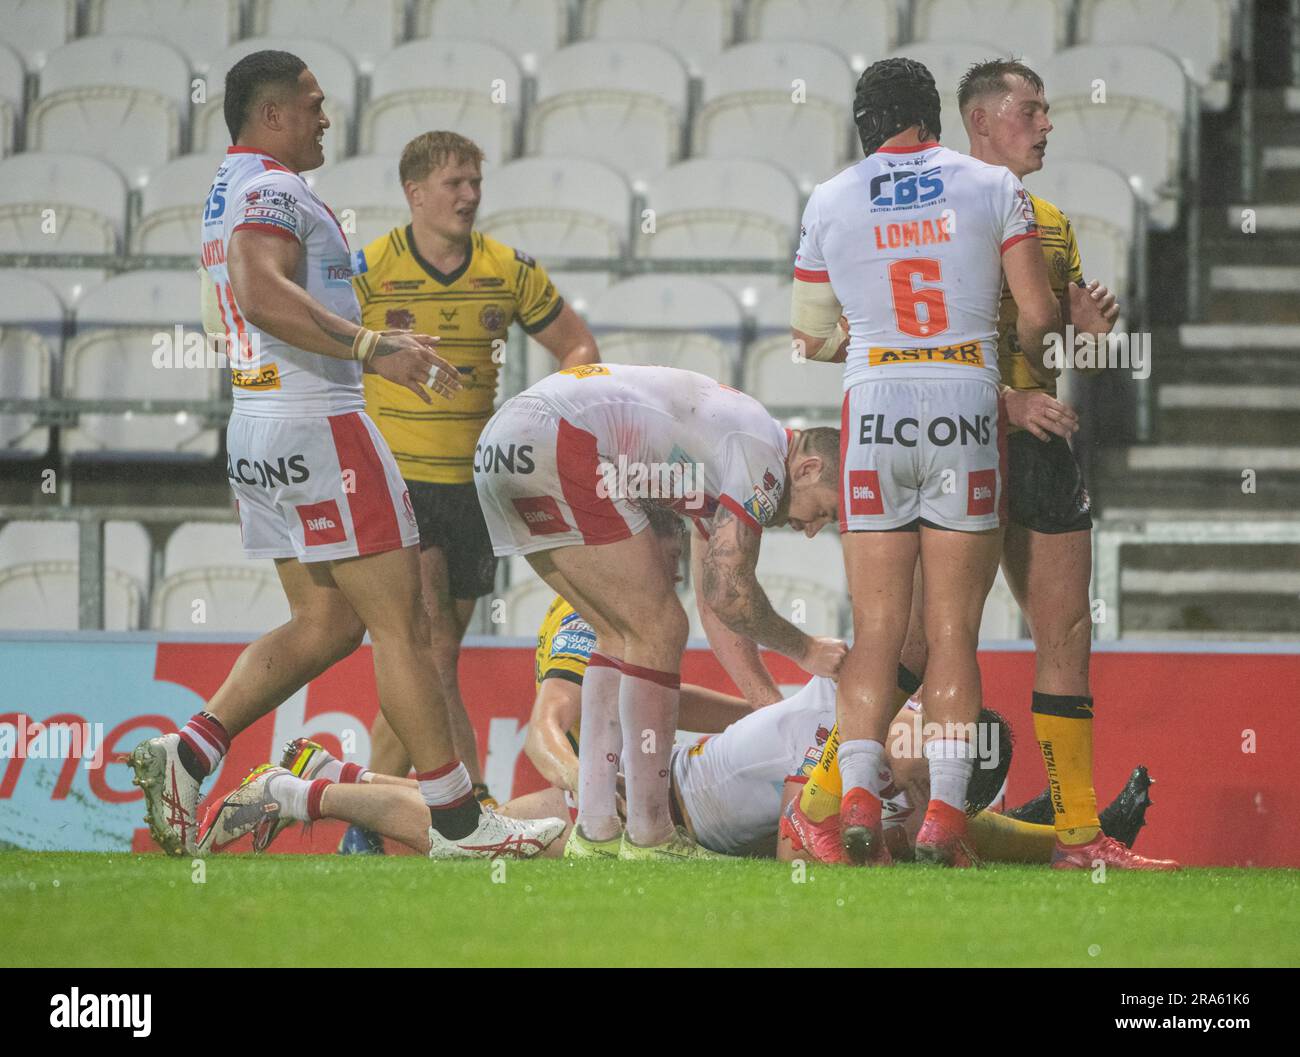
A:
[(599, 749), (453, 811), (299, 798), (647, 707), (951, 762), (864, 765), (204, 742), (343, 773)]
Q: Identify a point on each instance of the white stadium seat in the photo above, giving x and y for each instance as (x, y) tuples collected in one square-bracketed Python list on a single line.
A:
[(245, 598), (203, 545), (38, 575), (61, 203), (617, 102), (557, 207), (947, 61), (31, 334), (34, 28), (728, 208), (1199, 32), (1139, 124), (527, 600), (1102, 209), (786, 103), (528, 29), (774, 378), (465, 85), (12, 89), (171, 205), (670, 321), (365, 193), (696, 30), (198, 29), (333, 71), (1028, 29), (820, 610), (860, 30), (119, 98), (365, 29), (112, 357)]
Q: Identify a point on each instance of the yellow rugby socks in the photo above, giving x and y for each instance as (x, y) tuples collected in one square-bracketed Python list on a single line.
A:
[(997, 838), (1063, 727)]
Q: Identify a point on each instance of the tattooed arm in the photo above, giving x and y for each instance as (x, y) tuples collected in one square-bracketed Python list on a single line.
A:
[(262, 267)]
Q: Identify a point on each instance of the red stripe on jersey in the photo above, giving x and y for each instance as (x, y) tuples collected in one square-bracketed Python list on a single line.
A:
[(374, 521), (595, 516), (1004, 493), (844, 462), (268, 163), (1018, 238), (908, 150), (808, 275), (225, 324), (270, 229), (740, 512), (244, 348)]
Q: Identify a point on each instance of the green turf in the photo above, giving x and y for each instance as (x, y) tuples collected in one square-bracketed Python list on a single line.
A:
[(108, 910)]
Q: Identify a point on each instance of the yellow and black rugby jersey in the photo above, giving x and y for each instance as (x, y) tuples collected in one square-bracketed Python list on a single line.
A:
[(1063, 266), (468, 309), (564, 645)]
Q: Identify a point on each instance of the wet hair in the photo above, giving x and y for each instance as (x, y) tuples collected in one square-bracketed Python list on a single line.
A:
[(433, 150), (991, 767), (249, 77), (664, 522), (823, 441), (986, 77)]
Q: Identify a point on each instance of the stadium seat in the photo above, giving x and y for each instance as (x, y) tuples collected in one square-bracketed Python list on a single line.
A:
[(198, 29), (818, 609), (1139, 124), (366, 29), (332, 68), (617, 102), (785, 103), (1028, 29), (947, 61), (202, 545), (61, 203), (1199, 32), (557, 207), (31, 335), (671, 321), (171, 205), (12, 94), (775, 379), (696, 30), (246, 598), (118, 98), (527, 600), (366, 195), (1102, 209), (34, 28), (527, 29), (466, 85), (860, 30), (112, 356), (716, 208), (38, 575)]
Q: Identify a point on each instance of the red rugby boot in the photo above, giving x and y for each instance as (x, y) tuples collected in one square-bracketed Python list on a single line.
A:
[(860, 829), (821, 840), (1106, 850), (942, 839)]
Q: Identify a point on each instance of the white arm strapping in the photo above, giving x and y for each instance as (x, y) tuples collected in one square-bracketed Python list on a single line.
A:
[(815, 311)]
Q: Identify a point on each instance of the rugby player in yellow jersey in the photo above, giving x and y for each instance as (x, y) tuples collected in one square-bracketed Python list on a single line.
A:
[(437, 275), (1047, 550)]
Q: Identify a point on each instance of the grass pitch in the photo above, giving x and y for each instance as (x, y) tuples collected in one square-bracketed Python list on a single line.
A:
[(80, 909)]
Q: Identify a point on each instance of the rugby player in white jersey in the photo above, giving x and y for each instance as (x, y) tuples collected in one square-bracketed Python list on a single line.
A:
[(564, 471), (910, 246), (316, 486)]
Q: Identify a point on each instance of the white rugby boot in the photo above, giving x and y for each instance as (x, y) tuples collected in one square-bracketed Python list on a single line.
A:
[(498, 836), (171, 794), (251, 808)]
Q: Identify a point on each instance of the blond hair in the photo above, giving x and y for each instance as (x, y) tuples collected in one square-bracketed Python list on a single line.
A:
[(433, 150)]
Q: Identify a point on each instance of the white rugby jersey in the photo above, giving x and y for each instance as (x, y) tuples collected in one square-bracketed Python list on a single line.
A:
[(701, 444), (911, 241), (273, 379), (731, 784)]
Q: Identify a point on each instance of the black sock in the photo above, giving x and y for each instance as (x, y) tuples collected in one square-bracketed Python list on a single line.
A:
[(196, 768), (455, 821)]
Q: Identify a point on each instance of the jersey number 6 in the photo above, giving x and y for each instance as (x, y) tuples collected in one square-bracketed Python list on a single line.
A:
[(908, 297)]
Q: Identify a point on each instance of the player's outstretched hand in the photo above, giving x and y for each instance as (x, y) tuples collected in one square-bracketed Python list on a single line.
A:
[(411, 360), (1093, 308), (1040, 414), (824, 656)]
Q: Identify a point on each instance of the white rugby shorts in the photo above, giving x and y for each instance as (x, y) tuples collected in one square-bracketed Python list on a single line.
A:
[(539, 483), (932, 450), (317, 489)]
